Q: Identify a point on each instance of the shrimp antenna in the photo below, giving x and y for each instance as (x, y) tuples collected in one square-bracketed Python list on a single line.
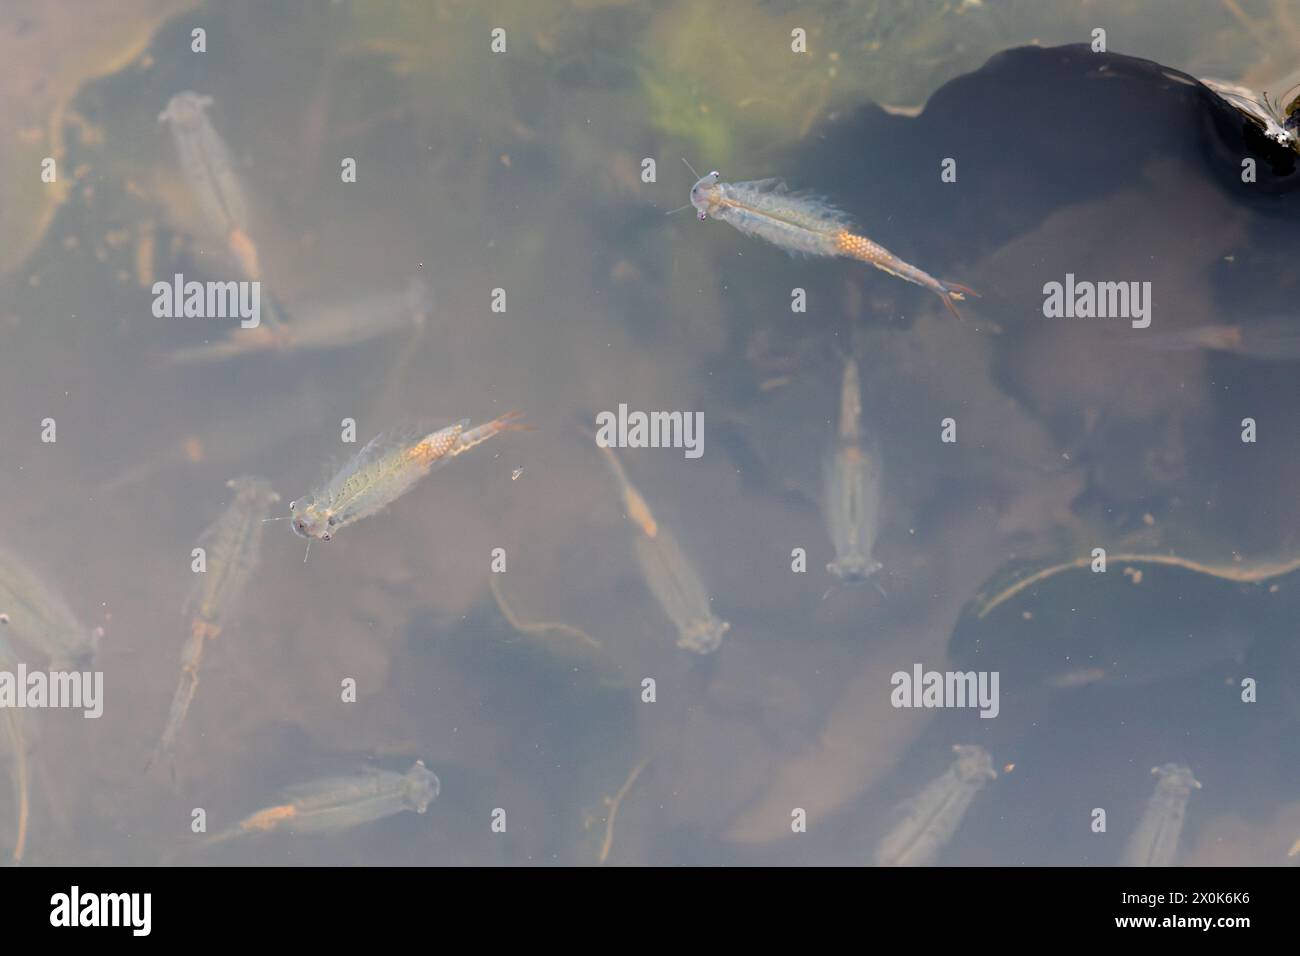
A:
[(1228, 94), (308, 552), (678, 209), (283, 518), (691, 168)]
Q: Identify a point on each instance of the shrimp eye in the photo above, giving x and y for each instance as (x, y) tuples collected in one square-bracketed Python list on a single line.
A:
[(292, 504), (715, 175), (326, 536), (703, 215)]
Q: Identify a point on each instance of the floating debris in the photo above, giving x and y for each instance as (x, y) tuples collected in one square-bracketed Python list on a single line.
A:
[(612, 804), (1247, 572), (539, 628)]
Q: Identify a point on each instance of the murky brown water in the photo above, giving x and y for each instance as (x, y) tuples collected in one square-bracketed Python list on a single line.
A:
[(521, 171)]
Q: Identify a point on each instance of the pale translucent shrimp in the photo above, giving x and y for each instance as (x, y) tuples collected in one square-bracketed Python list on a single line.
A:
[(233, 546), (40, 618), (210, 173), (13, 746), (1155, 841), (320, 327), (933, 815), (341, 803), (669, 573), (852, 490), (802, 224), (1274, 340), (384, 470)]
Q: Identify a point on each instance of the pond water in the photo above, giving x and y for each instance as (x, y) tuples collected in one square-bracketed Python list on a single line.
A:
[(439, 212)]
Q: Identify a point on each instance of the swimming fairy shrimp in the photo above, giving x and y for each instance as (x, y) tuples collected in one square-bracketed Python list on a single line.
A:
[(234, 545), (210, 172), (1270, 340), (341, 803), (1155, 840), (384, 470), (670, 575), (325, 326), (37, 615), (851, 496), (802, 224), (14, 744), (931, 818)]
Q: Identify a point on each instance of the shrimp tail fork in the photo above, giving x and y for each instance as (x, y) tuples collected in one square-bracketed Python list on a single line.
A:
[(476, 436), (951, 291)]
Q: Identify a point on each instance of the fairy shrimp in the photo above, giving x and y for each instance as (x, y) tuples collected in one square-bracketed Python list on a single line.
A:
[(233, 547), (210, 173), (803, 224), (38, 616), (669, 573), (852, 486), (384, 470), (929, 820), (327, 325), (638, 511), (1155, 840), (13, 741), (341, 803), (1270, 340)]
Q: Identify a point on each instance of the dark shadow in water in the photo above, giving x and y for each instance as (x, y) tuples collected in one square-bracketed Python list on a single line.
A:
[(1040, 136)]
